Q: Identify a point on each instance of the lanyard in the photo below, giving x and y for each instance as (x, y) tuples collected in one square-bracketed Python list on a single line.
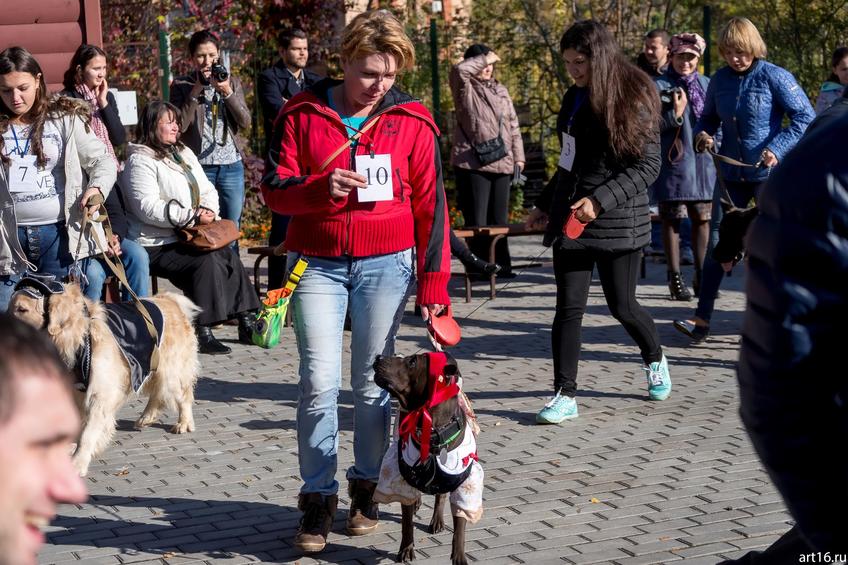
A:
[(578, 101), (18, 145)]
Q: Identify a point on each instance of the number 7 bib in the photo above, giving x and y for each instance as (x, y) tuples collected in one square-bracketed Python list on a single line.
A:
[(25, 176), (377, 170)]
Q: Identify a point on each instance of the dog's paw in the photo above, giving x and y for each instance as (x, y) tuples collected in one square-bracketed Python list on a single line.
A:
[(459, 559), (406, 554), (182, 427), (143, 422), (81, 466), (437, 524)]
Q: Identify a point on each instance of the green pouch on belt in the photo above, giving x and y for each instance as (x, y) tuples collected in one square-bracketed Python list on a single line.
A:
[(269, 321)]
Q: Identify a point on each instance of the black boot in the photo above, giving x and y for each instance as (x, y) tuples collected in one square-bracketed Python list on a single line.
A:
[(485, 266), (208, 344), (246, 325), (677, 287)]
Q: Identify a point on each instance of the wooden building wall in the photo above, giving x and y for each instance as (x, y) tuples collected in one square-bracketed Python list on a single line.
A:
[(51, 30)]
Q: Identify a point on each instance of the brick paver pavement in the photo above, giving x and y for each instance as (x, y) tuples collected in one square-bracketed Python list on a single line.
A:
[(628, 482)]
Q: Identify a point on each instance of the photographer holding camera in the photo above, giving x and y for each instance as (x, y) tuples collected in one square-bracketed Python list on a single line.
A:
[(213, 110), (685, 185)]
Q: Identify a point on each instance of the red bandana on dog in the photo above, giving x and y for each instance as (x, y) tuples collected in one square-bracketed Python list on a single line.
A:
[(439, 389)]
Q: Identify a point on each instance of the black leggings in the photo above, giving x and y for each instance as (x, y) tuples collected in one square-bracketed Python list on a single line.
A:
[(618, 272), (484, 201)]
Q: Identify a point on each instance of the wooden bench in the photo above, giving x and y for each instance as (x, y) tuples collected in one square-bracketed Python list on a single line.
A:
[(263, 253), (497, 233)]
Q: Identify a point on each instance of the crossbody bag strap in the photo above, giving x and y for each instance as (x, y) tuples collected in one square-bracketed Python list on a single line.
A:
[(346, 144), (193, 185)]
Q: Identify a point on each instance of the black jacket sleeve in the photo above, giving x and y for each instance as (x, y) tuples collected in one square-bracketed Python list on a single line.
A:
[(117, 133), (117, 215)]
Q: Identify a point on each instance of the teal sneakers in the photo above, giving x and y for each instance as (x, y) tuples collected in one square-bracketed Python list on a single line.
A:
[(659, 381), (559, 408)]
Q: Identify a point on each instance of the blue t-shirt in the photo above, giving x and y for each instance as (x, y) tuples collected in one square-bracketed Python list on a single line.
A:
[(351, 123)]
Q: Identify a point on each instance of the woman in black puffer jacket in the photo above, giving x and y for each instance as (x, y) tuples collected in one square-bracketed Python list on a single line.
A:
[(609, 129)]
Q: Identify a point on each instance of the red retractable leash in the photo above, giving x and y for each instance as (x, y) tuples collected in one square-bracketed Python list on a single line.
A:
[(443, 329)]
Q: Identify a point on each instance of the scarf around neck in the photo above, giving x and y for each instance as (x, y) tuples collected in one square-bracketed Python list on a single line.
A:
[(97, 123), (694, 90)]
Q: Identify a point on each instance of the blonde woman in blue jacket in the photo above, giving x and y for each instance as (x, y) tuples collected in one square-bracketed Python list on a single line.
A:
[(748, 100)]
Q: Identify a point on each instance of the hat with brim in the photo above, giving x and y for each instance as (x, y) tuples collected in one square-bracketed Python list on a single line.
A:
[(687, 43)]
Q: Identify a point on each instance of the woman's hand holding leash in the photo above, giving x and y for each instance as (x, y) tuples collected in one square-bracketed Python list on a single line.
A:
[(703, 141), (428, 310), (586, 209), (90, 201), (768, 159)]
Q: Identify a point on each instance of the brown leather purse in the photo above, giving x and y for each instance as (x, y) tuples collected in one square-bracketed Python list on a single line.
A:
[(202, 237)]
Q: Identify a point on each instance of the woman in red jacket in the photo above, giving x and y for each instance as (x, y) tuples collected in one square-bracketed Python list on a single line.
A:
[(356, 164)]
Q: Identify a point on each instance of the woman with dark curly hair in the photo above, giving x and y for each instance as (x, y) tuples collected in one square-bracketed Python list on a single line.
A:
[(52, 165), (608, 126)]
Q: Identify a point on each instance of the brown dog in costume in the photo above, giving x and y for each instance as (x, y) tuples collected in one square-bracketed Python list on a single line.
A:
[(434, 450)]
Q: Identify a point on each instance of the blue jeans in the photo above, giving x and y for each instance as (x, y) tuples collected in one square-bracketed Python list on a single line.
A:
[(136, 264), (375, 290), (229, 182), (46, 247), (712, 273)]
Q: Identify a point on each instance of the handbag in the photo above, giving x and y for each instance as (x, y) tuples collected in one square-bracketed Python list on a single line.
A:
[(490, 150), (203, 237)]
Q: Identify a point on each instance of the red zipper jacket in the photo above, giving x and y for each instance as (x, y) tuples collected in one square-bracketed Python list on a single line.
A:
[(307, 131)]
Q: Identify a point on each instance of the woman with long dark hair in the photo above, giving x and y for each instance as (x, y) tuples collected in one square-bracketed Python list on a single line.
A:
[(608, 127), (51, 165), (85, 80)]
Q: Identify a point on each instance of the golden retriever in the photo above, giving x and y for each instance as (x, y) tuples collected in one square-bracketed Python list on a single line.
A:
[(172, 385)]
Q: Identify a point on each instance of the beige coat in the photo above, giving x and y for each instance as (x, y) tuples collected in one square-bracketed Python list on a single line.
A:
[(150, 183), (479, 104), (87, 164)]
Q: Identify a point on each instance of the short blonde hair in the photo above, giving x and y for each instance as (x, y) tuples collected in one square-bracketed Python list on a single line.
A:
[(377, 32), (741, 34)]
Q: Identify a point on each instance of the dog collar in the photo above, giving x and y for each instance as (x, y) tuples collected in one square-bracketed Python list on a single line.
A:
[(439, 388)]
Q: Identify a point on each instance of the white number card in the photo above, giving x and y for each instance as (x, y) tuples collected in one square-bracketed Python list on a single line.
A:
[(569, 147), (25, 176), (377, 171)]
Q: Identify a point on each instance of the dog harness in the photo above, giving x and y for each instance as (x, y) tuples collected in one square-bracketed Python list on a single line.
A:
[(417, 461), (421, 454)]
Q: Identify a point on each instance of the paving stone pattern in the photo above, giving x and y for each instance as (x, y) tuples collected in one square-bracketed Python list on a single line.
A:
[(628, 482)]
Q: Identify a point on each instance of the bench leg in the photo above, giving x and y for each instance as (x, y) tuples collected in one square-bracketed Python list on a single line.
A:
[(493, 276), (256, 266)]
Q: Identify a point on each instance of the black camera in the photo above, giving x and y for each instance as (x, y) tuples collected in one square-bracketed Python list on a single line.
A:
[(219, 72), (667, 94)]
